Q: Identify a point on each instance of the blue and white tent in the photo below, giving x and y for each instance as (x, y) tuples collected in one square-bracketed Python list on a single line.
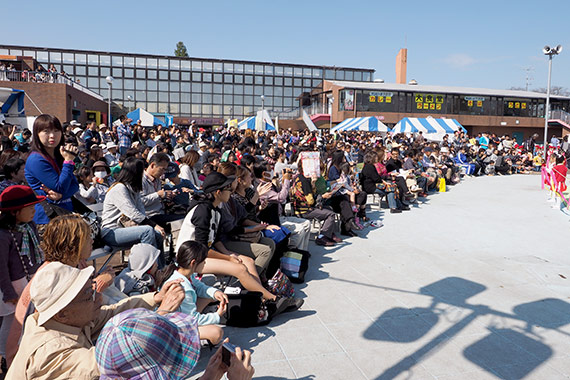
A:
[(146, 118), (370, 124), (428, 125), (260, 122), (12, 102)]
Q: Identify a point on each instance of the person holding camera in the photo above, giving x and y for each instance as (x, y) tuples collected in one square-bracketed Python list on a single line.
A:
[(49, 168)]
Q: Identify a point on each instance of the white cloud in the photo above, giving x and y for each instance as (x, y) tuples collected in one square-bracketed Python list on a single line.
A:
[(459, 60)]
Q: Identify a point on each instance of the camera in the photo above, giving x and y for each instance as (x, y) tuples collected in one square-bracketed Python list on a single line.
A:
[(227, 350)]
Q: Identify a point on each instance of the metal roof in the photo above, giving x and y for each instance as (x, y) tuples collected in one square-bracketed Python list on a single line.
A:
[(443, 89)]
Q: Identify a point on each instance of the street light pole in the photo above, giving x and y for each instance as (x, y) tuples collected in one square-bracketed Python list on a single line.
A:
[(331, 101), (547, 50), (262, 111), (109, 80)]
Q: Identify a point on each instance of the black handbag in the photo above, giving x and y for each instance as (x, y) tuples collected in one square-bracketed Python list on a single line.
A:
[(245, 310)]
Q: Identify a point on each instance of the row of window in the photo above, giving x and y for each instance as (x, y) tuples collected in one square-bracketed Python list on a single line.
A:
[(118, 61), (200, 110), (437, 103)]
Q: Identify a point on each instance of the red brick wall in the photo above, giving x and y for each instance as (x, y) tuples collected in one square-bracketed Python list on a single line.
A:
[(57, 99)]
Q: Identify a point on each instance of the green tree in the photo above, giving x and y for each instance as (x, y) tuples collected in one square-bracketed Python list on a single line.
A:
[(181, 50)]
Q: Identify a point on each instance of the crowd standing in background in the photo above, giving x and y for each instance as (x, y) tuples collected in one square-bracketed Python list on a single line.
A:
[(244, 203)]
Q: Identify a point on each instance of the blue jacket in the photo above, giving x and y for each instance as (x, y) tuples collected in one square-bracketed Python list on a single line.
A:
[(193, 289), (39, 171)]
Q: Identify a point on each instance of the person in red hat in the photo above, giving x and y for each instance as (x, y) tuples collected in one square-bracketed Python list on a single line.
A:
[(20, 255)]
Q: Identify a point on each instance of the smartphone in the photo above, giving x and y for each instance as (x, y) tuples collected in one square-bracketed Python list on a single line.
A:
[(227, 350)]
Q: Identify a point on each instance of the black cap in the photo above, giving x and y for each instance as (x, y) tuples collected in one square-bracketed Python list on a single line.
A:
[(216, 181), (172, 170)]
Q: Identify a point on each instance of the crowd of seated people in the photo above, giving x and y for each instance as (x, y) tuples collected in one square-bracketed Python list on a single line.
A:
[(240, 200)]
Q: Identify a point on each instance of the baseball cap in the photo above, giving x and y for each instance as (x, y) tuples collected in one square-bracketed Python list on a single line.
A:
[(216, 181)]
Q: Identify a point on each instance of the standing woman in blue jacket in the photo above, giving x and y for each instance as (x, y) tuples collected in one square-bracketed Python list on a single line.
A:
[(50, 166)]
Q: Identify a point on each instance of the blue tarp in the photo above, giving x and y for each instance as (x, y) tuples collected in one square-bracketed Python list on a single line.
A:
[(12, 101)]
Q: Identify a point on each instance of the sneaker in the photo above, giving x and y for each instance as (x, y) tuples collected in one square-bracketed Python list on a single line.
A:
[(377, 224), (278, 306), (395, 211), (405, 208), (294, 304), (323, 242)]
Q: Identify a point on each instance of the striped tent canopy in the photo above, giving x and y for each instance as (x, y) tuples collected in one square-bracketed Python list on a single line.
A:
[(262, 118), (428, 125), (370, 124)]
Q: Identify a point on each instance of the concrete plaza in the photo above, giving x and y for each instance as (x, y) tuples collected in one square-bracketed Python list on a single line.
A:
[(471, 284)]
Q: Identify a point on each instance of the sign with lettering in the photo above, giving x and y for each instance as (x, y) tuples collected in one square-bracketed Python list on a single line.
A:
[(382, 94), (475, 98), (371, 99)]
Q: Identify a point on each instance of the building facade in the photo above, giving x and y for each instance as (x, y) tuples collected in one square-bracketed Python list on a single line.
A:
[(190, 87)]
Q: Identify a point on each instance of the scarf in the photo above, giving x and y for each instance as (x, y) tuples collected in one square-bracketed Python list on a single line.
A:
[(28, 234)]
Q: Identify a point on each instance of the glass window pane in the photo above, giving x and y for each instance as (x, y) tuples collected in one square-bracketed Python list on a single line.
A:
[(228, 78), (174, 97), (207, 66), (185, 97), (118, 73), (196, 98), (54, 57), (152, 96), (105, 71), (93, 82), (278, 81), (288, 91), (258, 79), (259, 69), (163, 86), (288, 82), (238, 89), (129, 84), (174, 86), (349, 75), (93, 59), (207, 110), (358, 76), (249, 69), (163, 63), (19, 52), (278, 91), (117, 94), (269, 80), (196, 77), (117, 83), (217, 111), (218, 77), (238, 78), (151, 74), (185, 76), (152, 85), (93, 71), (297, 82), (141, 105), (316, 82), (141, 84), (185, 87), (196, 87), (43, 56), (238, 68), (129, 73), (298, 71), (80, 70), (258, 90), (366, 76), (238, 99), (317, 73), (268, 90), (197, 109), (206, 98), (307, 82), (228, 68), (307, 72), (329, 74), (141, 73), (152, 63), (217, 99), (141, 62), (248, 79), (129, 62), (117, 60), (218, 67), (218, 88), (185, 109), (140, 96), (268, 70), (278, 70), (163, 75), (163, 96), (206, 77), (174, 75), (288, 71), (68, 58), (174, 64), (248, 90), (228, 88), (104, 60), (152, 107), (339, 75), (196, 66), (185, 65), (207, 87)]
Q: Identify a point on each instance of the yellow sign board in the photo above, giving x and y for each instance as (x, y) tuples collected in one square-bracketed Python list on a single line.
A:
[(511, 104), (438, 107), (470, 103), (517, 105), (523, 106), (380, 99), (371, 99), (439, 99), (419, 105), (479, 103), (388, 99), (426, 106), (432, 106), (419, 98)]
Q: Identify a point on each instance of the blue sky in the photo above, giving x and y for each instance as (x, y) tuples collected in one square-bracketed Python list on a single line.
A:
[(475, 44)]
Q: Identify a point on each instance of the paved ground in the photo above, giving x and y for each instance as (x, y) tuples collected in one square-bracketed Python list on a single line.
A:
[(470, 285)]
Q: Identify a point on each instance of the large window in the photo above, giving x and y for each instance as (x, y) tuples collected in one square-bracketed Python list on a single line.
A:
[(428, 103), (516, 107)]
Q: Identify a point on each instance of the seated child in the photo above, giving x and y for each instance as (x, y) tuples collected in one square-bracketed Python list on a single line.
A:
[(197, 294)]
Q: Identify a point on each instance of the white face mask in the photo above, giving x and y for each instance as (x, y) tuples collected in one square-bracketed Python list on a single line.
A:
[(101, 174)]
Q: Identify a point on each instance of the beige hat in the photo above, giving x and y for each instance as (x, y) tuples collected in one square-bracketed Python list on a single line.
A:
[(55, 286)]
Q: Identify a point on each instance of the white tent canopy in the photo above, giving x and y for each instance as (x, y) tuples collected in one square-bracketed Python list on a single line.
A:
[(369, 123)]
